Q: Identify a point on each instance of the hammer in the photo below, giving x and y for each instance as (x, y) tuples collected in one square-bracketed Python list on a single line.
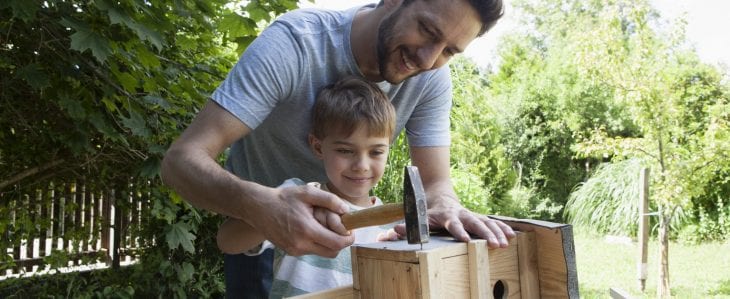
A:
[(413, 208)]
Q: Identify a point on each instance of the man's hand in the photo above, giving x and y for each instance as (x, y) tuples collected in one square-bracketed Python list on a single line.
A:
[(289, 221), (444, 209), (461, 222)]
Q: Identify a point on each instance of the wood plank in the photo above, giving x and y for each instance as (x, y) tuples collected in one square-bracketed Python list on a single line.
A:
[(402, 251), (527, 257), (617, 293), (46, 228), (429, 263), (454, 278), (30, 208), (106, 225), (479, 286), (354, 254), (556, 256), (344, 292), (388, 279), (503, 267)]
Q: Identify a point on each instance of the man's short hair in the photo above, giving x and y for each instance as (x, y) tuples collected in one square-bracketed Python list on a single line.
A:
[(490, 11)]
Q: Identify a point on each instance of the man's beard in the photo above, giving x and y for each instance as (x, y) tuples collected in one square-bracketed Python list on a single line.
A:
[(385, 40)]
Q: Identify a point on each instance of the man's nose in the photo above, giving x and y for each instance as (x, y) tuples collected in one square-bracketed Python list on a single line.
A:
[(431, 56)]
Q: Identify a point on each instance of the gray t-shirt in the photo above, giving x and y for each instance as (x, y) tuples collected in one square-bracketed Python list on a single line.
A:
[(273, 87)]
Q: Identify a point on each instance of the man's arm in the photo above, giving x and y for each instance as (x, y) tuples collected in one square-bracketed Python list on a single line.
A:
[(444, 208), (235, 236), (283, 215)]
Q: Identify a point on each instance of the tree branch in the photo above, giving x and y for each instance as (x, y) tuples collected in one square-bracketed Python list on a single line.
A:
[(29, 172)]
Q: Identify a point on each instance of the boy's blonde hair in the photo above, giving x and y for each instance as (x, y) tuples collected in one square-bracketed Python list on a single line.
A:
[(349, 103)]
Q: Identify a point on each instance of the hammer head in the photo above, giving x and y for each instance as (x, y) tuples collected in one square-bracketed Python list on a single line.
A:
[(414, 205)]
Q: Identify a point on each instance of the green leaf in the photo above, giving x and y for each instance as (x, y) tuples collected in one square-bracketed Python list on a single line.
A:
[(73, 107), (34, 75), (136, 124), (101, 125), (237, 25), (156, 100), (147, 58), (180, 235), (88, 40), (185, 43), (118, 17), (150, 167), (145, 33), (24, 10), (185, 273), (157, 149), (109, 104), (128, 81), (73, 24)]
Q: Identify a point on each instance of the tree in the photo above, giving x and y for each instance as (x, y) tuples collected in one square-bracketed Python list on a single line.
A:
[(625, 90), (481, 172), (95, 91)]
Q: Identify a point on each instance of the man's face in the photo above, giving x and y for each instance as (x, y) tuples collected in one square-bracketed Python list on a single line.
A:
[(423, 36)]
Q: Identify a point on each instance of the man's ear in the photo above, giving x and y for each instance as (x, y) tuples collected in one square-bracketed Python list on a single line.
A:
[(316, 145)]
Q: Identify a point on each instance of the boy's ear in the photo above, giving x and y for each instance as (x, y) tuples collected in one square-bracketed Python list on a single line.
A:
[(316, 145)]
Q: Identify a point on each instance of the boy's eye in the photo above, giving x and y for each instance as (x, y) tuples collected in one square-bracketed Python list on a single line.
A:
[(344, 151)]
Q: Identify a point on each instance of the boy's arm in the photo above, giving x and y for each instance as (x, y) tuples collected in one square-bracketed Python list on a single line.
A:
[(235, 236)]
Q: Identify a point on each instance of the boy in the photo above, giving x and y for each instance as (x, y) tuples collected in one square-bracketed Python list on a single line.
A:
[(352, 126)]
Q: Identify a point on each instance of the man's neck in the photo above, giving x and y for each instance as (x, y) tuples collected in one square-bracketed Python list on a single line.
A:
[(363, 40)]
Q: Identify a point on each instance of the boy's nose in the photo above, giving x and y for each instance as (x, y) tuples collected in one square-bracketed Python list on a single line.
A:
[(360, 164)]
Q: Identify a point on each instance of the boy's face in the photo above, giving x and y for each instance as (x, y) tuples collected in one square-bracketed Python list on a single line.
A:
[(354, 164), (423, 36)]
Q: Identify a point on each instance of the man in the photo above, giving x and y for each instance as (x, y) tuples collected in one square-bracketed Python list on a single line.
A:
[(263, 108)]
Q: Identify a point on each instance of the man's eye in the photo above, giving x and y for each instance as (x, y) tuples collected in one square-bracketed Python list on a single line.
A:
[(427, 31)]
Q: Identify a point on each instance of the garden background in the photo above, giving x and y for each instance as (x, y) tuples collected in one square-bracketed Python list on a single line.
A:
[(586, 95)]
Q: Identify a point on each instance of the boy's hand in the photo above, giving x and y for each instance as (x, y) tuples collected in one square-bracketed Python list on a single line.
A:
[(390, 235), (327, 218), (330, 220), (289, 222)]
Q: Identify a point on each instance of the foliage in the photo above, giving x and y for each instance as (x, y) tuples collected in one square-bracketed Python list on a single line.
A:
[(95, 91), (590, 82), (390, 187), (481, 173), (607, 202), (105, 283), (671, 98)]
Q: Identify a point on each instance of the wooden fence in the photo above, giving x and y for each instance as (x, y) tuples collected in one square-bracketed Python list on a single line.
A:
[(90, 226)]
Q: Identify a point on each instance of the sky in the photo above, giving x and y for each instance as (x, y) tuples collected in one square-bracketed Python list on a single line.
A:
[(708, 27)]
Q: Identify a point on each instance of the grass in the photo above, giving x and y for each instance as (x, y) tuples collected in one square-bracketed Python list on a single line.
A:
[(695, 271)]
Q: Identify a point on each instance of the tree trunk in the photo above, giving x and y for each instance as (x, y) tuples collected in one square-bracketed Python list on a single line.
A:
[(663, 290)]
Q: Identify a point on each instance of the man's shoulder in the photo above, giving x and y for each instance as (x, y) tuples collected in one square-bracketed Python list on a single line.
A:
[(314, 20)]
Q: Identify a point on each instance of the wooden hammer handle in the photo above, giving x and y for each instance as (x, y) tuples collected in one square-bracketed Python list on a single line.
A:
[(379, 215)]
